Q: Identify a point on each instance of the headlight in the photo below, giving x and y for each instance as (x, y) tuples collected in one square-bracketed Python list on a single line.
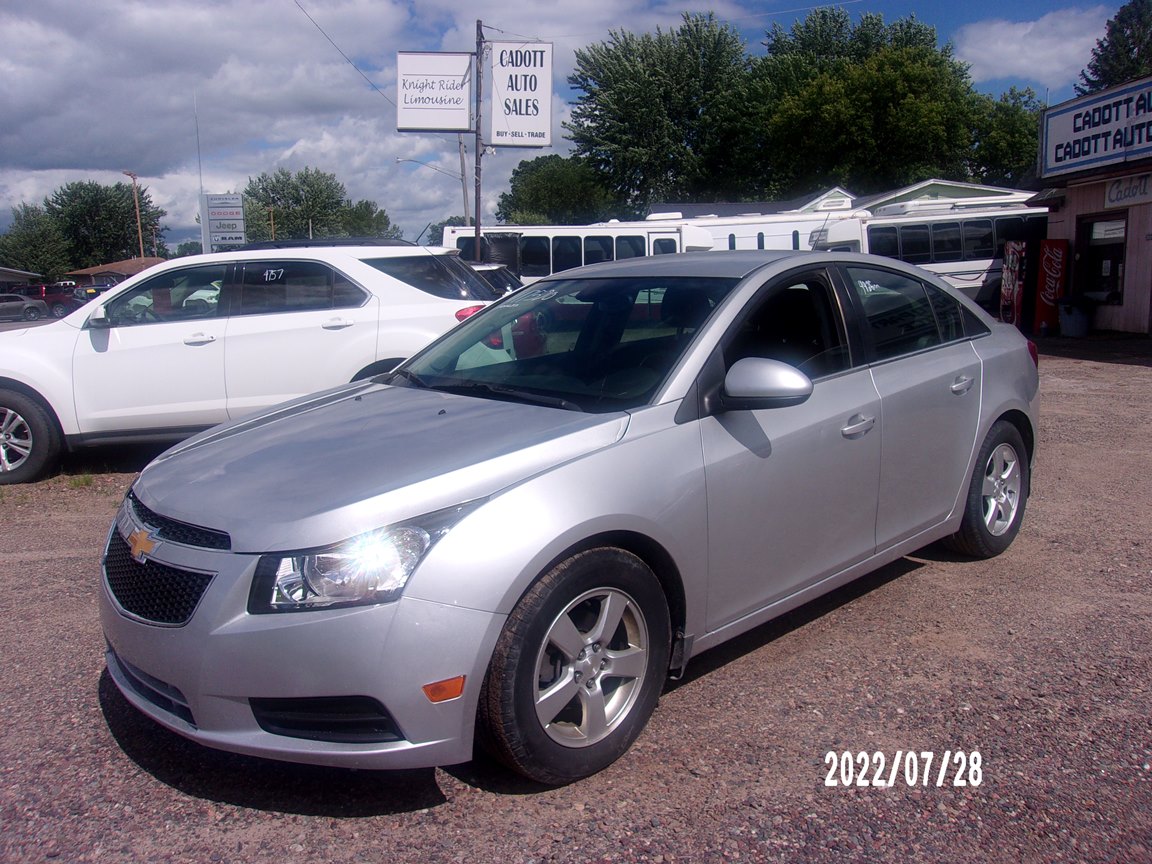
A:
[(370, 568)]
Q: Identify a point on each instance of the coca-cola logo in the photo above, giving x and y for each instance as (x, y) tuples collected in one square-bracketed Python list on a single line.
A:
[(1052, 268)]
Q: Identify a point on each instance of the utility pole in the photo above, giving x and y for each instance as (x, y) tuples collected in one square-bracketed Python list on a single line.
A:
[(136, 198), (476, 254)]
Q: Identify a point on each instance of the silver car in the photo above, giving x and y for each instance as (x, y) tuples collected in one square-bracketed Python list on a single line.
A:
[(521, 532)]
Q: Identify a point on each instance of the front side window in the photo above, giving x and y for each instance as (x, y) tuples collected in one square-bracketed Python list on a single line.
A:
[(898, 314), (439, 275), (796, 322), (664, 246), (176, 295)]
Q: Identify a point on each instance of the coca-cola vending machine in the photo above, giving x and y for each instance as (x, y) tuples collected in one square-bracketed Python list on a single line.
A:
[(1052, 278)]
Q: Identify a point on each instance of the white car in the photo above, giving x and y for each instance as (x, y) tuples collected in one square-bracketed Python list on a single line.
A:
[(201, 340)]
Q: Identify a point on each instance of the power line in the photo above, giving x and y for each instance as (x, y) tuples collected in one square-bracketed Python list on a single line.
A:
[(371, 83)]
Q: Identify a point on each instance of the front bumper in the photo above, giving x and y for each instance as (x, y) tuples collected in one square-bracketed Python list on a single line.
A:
[(198, 678)]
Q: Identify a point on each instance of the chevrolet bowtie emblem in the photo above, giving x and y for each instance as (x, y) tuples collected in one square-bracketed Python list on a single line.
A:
[(141, 544)]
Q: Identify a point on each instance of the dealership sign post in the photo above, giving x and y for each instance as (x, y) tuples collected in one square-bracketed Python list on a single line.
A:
[(434, 93), (221, 222)]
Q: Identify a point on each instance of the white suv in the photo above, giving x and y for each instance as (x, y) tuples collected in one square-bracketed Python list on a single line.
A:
[(201, 340)]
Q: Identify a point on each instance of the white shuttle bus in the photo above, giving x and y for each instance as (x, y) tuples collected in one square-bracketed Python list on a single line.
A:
[(961, 243), (540, 250)]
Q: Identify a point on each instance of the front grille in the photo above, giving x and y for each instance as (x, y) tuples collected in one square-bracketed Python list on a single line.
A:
[(343, 719), (152, 591), (162, 695), (179, 532)]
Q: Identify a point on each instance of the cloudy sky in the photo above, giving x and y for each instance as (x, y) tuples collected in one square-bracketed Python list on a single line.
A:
[(206, 94)]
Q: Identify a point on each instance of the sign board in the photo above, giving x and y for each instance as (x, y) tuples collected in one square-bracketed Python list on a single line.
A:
[(1106, 128), (521, 94), (222, 222), (433, 92)]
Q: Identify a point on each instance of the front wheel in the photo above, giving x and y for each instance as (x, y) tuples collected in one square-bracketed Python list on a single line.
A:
[(578, 669), (31, 313), (29, 440), (997, 495)]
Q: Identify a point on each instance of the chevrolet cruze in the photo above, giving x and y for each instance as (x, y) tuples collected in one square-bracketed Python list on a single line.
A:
[(513, 538)]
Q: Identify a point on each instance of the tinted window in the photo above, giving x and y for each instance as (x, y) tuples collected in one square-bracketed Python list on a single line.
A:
[(915, 245), (946, 241), (191, 292), (535, 256), (897, 311), (663, 245), (978, 239), (565, 253), (630, 247), (293, 286), (883, 240), (597, 249), (949, 317), (439, 275)]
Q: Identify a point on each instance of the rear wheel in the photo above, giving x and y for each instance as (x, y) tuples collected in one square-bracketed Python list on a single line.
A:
[(59, 310), (578, 669), (29, 440), (997, 495)]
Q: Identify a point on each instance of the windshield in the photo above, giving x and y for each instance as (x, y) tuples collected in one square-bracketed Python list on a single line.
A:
[(584, 344)]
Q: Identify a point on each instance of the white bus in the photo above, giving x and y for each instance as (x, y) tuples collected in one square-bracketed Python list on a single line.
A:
[(540, 250), (962, 244)]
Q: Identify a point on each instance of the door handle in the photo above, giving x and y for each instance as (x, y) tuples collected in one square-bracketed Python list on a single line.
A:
[(337, 324), (962, 385), (858, 425), (199, 339)]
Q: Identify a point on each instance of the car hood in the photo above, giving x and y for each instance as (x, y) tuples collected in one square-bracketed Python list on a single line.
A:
[(321, 469)]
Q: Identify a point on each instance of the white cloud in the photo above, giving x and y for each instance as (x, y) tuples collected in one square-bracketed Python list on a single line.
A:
[(1049, 52)]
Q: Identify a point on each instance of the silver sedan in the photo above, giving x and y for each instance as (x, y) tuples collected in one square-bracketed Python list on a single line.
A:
[(517, 535)]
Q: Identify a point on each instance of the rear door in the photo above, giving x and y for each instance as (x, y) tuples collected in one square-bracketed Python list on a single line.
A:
[(294, 327), (929, 380)]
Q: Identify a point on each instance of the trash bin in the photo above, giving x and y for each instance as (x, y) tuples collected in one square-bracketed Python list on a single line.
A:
[(1073, 320)]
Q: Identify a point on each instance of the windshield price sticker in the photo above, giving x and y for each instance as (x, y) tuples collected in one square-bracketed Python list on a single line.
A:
[(906, 768)]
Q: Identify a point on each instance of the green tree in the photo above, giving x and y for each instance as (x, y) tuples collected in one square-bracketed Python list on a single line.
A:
[(34, 243), (1006, 134), (901, 115), (1125, 52), (554, 190), (98, 223), (287, 206), (189, 247), (366, 219), (870, 106), (656, 114)]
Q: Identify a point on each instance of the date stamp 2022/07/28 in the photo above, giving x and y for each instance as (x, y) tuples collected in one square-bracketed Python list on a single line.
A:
[(906, 768)]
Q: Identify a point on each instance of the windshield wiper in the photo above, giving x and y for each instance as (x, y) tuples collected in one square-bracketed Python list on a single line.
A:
[(411, 377), (501, 391)]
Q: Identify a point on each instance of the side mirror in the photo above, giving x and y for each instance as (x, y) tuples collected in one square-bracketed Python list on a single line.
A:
[(99, 318), (757, 382)]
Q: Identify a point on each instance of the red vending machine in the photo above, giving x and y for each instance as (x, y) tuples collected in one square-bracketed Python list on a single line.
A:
[(1052, 278)]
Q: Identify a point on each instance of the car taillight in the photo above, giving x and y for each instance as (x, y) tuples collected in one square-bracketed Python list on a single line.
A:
[(1035, 354), (467, 312)]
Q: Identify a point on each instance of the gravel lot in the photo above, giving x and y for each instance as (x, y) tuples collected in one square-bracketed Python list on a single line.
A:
[(1038, 660)]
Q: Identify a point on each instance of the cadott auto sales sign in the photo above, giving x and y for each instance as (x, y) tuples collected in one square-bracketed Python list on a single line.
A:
[(1106, 128), (521, 94)]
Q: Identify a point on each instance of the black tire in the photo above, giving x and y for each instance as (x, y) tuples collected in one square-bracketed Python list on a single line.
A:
[(31, 313), (30, 442), (59, 310), (997, 495), (575, 603)]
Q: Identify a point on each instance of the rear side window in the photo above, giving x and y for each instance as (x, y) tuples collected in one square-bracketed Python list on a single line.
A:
[(439, 275), (293, 286), (898, 314)]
